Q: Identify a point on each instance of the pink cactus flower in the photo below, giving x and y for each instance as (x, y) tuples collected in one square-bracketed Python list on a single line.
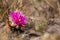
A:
[(18, 18)]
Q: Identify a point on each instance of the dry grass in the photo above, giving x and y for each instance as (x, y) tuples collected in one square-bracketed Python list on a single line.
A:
[(42, 15)]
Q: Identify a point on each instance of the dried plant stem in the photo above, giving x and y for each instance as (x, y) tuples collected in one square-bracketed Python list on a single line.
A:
[(49, 3), (7, 10)]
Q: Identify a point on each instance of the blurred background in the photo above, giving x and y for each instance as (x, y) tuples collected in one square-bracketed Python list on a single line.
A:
[(43, 19)]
